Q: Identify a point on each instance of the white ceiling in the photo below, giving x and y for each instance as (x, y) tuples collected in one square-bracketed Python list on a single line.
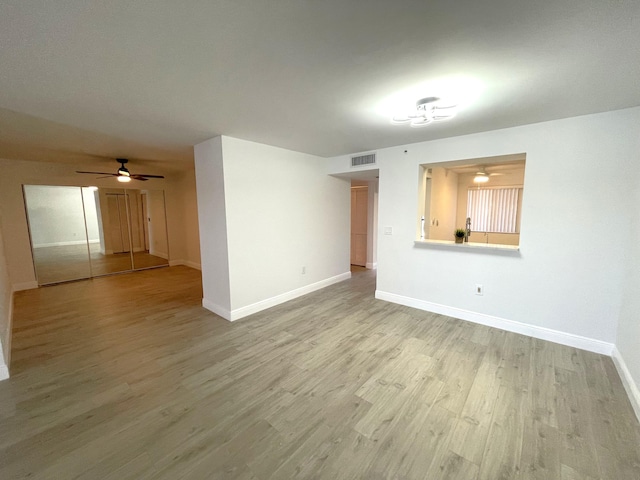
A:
[(149, 79)]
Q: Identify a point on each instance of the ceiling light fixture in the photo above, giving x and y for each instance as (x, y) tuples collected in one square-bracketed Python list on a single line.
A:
[(124, 178), (481, 177), (427, 110)]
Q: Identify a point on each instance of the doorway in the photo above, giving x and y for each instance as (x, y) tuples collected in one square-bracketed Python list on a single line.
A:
[(359, 222), (364, 223)]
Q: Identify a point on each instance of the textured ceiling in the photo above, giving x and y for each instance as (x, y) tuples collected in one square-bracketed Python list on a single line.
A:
[(150, 79)]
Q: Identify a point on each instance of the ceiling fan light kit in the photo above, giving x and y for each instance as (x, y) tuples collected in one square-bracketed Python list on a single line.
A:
[(426, 111), (123, 175), (481, 177)]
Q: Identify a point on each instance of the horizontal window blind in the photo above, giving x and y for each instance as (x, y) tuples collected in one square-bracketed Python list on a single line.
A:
[(493, 210)]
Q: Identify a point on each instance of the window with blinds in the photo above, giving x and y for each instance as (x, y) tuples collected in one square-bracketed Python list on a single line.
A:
[(493, 210)]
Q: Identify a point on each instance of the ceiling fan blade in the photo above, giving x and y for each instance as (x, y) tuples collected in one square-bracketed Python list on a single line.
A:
[(494, 174), (98, 173), (148, 176), (139, 177)]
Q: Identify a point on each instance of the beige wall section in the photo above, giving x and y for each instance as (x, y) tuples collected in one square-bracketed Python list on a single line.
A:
[(444, 198), (181, 219), (5, 310), (465, 181)]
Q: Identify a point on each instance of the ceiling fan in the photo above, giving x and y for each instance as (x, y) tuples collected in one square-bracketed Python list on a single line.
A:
[(123, 173), (482, 176)]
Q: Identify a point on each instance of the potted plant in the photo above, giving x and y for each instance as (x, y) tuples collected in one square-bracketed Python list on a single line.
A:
[(459, 235)]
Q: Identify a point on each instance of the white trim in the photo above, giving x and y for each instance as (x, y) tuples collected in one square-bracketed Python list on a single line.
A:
[(242, 312), (372, 266), (630, 386), (187, 263), (63, 244), (17, 287), (556, 336), (4, 372), (217, 309), (466, 245)]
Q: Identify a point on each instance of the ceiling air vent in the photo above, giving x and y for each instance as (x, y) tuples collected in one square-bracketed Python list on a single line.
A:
[(363, 160)]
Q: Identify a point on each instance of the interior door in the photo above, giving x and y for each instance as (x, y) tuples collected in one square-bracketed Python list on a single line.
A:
[(359, 208)]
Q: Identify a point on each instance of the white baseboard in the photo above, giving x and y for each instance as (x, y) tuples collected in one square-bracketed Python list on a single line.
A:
[(16, 287), (556, 336), (187, 263), (64, 244), (627, 380), (242, 312), (4, 372), (372, 266), (217, 309)]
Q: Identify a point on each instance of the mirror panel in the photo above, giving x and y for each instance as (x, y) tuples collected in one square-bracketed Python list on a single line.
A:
[(149, 228), (58, 234), (83, 232), (112, 252)]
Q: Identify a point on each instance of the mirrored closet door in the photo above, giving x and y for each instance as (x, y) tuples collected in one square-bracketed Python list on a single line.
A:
[(83, 232)]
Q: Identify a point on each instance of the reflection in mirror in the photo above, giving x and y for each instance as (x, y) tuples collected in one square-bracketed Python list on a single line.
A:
[(148, 228), (132, 230), (58, 234), (112, 252), (83, 232)]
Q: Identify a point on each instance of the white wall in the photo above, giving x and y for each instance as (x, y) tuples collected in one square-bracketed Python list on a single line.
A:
[(212, 221), (628, 342), (568, 275), (282, 212), (15, 173), (6, 299), (372, 225)]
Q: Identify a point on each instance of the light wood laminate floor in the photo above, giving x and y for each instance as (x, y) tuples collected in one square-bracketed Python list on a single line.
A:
[(71, 262), (128, 377)]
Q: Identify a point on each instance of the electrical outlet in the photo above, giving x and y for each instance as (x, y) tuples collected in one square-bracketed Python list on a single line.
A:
[(388, 230), (479, 289), (304, 270)]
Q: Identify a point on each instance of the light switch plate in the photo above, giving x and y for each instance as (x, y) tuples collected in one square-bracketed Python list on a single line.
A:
[(388, 230)]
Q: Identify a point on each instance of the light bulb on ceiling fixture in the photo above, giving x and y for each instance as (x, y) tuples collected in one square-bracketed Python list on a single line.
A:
[(124, 178), (480, 178)]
